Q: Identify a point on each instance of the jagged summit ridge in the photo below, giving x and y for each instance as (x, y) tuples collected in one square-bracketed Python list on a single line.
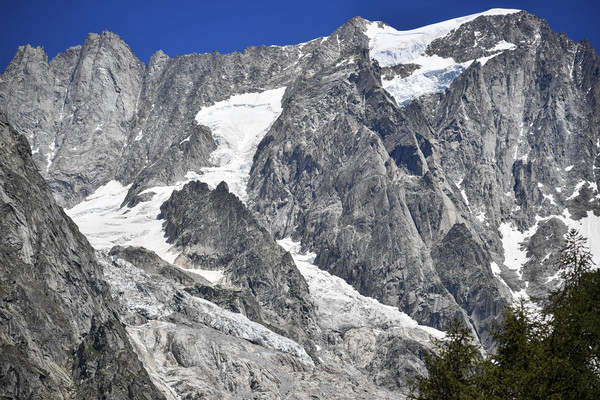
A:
[(422, 71)]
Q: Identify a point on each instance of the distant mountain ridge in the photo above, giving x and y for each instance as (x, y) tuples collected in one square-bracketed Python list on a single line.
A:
[(435, 170)]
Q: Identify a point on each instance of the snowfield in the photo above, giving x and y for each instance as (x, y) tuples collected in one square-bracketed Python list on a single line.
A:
[(238, 124), (339, 306), (391, 47), (105, 224)]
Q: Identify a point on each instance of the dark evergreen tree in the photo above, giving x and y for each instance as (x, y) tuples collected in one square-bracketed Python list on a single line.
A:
[(574, 318), (552, 355), (454, 368), (519, 362)]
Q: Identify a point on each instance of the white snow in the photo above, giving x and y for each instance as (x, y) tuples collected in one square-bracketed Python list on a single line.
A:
[(514, 256), (504, 45), (484, 60), (550, 198), (238, 125), (339, 305), (187, 139), (139, 136), (495, 269), (481, 217), (570, 167), (578, 187), (553, 277), (424, 81), (50, 156), (589, 227), (105, 224), (392, 47), (211, 276)]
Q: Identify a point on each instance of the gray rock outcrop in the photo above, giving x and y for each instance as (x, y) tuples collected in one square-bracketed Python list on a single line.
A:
[(61, 337), (215, 231)]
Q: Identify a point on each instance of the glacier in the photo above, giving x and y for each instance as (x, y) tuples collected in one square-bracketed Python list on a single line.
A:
[(238, 125), (391, 47), (340, 306)]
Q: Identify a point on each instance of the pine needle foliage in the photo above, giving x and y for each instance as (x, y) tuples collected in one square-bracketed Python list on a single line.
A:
[(552, 355)]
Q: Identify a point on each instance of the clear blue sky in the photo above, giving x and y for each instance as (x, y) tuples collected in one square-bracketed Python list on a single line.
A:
[(182, 27)]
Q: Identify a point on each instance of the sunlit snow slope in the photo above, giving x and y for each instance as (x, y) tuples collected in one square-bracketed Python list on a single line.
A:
[(340, 306), (391, 47), (105, 224), (238, 125)]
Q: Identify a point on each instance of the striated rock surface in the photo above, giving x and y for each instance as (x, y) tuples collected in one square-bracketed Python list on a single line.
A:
[(215, 231), (81, 101), (61, 337)]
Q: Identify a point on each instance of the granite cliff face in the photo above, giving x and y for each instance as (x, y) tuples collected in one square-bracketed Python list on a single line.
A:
[(417, 206), (435, 170), (61, 336), (82, 100)]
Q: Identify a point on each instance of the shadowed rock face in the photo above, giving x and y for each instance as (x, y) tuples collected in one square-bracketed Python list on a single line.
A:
[(60, 334)]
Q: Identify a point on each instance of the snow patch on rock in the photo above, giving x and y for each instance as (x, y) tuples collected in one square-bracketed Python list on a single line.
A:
[(512, 241), (238, 125)]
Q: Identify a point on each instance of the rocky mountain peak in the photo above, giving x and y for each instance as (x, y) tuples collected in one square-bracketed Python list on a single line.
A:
[(434, 170), (26, 54)]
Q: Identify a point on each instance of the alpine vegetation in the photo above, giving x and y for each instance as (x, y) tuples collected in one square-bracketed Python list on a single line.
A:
[(551, 355)]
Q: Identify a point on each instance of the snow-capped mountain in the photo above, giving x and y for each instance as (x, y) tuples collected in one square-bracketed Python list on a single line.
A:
[(377, 184)]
